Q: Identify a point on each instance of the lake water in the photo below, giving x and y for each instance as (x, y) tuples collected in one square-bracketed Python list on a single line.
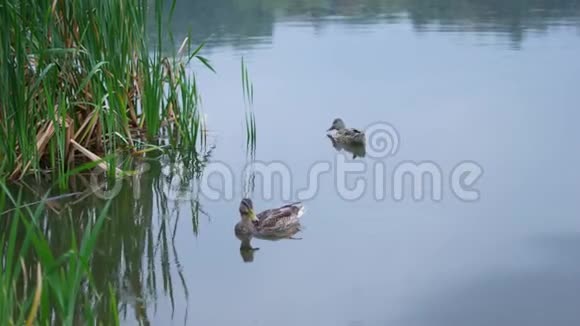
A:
[(491, 82)]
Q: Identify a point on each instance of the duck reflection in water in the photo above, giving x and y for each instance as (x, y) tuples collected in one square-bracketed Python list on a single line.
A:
[(246, 249), (272, 224)]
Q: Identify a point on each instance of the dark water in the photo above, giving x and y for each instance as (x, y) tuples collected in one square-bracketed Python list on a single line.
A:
[(493, 82)]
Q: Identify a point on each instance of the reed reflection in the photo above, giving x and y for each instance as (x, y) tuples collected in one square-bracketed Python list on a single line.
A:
[(135, 254)]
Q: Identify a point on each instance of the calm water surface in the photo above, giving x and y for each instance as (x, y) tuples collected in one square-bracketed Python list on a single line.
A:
[(488, 81)]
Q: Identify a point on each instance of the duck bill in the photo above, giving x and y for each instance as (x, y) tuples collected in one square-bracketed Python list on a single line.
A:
[(253, 216)]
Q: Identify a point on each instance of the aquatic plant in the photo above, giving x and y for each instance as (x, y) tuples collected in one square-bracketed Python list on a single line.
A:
[(250, 118), (81, 81)]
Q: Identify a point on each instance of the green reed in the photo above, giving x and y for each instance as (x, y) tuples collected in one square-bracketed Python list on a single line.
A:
[(40, 286), (80, 80), (250, 119)]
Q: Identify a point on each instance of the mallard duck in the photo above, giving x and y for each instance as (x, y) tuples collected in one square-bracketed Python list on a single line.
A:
[(277, 223), (344, 135)]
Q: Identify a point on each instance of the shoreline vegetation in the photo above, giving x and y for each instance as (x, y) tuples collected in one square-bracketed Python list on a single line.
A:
[(82, 83)]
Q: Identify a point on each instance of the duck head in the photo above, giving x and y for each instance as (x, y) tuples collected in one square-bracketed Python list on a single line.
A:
[(247, 210), (337, 124)]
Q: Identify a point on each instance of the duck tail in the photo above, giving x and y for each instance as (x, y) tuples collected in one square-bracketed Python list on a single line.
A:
[(301, 210), (296, 208)]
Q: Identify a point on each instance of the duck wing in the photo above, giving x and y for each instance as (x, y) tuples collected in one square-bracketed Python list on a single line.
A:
[(353, 131), (280, 217), (352, 136)]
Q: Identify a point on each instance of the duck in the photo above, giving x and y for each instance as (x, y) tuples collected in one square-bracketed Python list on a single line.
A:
[(344, 135), (272, 224)]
